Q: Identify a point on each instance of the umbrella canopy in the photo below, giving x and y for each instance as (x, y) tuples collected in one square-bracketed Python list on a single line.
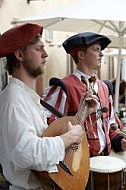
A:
[(106, 17), (97, 16), (114, 53)]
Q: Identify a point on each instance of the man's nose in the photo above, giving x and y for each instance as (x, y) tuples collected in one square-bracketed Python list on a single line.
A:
[(45, 54), (101, 54)]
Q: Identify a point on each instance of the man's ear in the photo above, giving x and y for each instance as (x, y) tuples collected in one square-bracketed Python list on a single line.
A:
[(18, 54), (80, 54)]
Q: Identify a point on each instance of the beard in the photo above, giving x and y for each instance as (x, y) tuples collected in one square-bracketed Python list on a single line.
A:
[(33, 72)]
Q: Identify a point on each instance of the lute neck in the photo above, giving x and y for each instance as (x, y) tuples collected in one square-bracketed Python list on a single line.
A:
[(83, 110), (82, 113)]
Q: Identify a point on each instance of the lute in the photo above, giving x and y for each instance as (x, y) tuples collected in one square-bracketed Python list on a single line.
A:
[(73, 171)]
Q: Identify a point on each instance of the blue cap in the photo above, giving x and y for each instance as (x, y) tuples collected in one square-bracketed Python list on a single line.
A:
[(85, 39)]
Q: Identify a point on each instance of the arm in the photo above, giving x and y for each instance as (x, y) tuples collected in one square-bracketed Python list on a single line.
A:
[(118, 141), (23, 143), (123, 143), (73, 135)]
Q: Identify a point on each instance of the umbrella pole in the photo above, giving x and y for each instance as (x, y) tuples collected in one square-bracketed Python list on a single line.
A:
[(116, 103)]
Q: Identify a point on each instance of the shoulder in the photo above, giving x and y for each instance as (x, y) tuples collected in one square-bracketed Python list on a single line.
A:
[(71, 79), (109, 85), (106, 86)]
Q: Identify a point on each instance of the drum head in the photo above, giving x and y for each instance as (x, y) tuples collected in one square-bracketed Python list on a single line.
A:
[(106, 164)]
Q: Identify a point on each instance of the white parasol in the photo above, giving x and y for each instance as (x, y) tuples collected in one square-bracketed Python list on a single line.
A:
[(106, 17)]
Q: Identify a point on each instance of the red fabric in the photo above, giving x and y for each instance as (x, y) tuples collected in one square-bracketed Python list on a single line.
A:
[(75, 89), (18, 36), (81, 48), (50, 92), (52, 117), (74, 95), (74, 51)]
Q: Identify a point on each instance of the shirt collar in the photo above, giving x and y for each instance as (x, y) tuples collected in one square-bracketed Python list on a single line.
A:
[(79, 74), (30, 91)]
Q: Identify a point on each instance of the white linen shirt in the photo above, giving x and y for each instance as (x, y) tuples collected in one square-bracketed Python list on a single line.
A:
[(22, 123)]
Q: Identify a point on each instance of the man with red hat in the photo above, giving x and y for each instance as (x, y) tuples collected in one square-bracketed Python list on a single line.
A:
[(86, 51), (22, 119)]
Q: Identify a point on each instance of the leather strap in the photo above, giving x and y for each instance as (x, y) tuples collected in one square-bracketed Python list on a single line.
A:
[(51, 109)]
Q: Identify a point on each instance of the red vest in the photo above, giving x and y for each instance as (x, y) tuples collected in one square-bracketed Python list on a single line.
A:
[(75, 89)]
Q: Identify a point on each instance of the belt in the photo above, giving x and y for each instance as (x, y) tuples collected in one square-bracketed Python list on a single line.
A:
[(103, 153)]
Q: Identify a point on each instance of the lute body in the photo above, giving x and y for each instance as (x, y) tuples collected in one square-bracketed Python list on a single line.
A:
[(77, 160)]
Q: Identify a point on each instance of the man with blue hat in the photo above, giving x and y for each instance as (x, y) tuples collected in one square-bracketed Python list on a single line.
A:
[(86, 51), (22, 118)]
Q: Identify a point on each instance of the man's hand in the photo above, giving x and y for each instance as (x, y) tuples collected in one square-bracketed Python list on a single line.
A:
[(123, 143), (73, 135), (92, 103)]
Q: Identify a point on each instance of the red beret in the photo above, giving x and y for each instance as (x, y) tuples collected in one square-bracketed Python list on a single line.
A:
[(18, 36)]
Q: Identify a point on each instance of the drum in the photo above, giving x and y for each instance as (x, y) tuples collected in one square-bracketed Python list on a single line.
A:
[(122, 156), (106, 173)]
